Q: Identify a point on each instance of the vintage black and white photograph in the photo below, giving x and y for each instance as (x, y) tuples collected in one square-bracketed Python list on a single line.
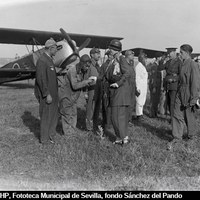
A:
[(100, 95)]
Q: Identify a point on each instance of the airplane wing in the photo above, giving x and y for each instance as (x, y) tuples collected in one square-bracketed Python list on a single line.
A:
[(195, 55), (9, 75), (22, 36), (150, 52)]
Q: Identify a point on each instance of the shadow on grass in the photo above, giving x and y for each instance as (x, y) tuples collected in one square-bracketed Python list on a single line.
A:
[(160, 132), (18, 85), (81, 115), (32, 123)]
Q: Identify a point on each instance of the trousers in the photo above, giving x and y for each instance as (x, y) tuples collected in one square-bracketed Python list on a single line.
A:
[(120, 117), (48, 119), (171, 95), (68, 116), (180, 118)]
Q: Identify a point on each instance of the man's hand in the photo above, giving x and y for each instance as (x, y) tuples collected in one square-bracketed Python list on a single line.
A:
[(48, 99), (94, 78), (137, 92), (198, 103), (86, 96), (114, 85), (170, 80), (88, 81)]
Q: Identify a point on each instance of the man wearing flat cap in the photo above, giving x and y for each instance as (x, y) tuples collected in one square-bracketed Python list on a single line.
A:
[(94, 90), (46, 92), (70, 91), (173, 68)]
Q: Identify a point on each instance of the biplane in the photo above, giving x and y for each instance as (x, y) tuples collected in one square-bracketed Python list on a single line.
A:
[(25, 67)]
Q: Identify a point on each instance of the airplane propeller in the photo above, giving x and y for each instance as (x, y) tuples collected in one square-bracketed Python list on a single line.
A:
[(71, 43), (76, 50), (85, 44), (69, 40)]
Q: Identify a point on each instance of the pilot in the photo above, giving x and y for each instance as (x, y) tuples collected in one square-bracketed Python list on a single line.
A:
[(70, 91), (129, 56), (46, 92), (173, 68)]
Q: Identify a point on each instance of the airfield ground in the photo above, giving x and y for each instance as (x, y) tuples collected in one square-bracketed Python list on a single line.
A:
[(83, 161)]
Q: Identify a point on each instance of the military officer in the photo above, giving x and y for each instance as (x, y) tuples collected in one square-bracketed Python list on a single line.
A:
[(155, 86), (129, 56), (173, 68)]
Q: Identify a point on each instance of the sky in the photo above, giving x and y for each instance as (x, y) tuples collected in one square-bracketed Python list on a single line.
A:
[(154, 24)]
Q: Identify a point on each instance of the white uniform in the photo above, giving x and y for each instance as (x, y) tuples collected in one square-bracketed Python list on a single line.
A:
[(141, 84)]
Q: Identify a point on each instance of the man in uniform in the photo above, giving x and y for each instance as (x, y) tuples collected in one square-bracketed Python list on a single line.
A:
[(129, 56), (155, 86), (93, 104), (173, 68), (46, 92), (70, 90)]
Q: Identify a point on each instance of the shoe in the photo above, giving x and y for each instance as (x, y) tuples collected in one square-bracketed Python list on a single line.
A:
[(99, 130), (51, 140), (126, 140), (62, 133), (118, 141), (89, 125)]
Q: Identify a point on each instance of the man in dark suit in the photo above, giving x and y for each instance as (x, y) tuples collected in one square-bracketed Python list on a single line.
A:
[(120, 99), (105, 86), (93, 104), (46, 92)]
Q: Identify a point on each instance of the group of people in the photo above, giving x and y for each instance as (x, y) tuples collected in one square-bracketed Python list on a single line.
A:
[(115, 89), (174, 86)]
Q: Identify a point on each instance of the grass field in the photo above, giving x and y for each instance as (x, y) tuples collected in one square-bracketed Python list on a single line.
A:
[(83, 161)]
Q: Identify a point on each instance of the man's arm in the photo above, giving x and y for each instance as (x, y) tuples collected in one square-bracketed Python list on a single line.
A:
[(194, 84), (76, 85), (124, 67)]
